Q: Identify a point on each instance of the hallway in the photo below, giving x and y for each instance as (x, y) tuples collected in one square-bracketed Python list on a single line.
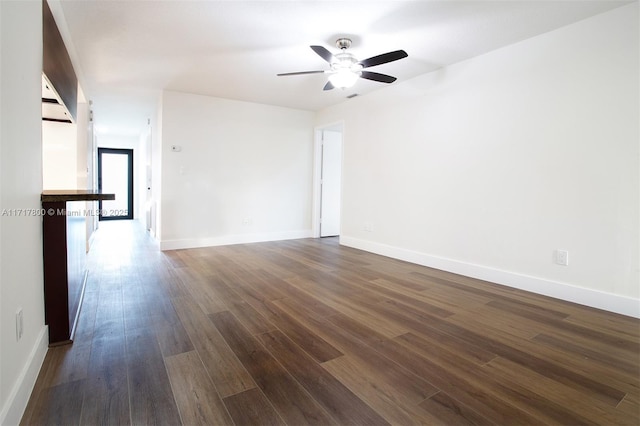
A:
[(127, 298)]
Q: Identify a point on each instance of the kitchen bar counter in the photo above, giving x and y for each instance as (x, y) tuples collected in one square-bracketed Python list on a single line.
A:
[(64, 241), (74, 195)]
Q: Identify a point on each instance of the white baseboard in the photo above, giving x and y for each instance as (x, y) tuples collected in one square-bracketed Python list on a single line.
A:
[(19, 397), (233, 239), (596, 299)]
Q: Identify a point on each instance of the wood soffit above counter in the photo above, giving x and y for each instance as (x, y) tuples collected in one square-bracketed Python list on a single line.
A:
[(54, 195)]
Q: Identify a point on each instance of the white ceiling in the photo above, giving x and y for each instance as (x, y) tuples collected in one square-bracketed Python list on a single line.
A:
[(127, 52)]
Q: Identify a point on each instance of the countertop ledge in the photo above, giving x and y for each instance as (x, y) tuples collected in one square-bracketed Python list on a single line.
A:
[(56, 195)]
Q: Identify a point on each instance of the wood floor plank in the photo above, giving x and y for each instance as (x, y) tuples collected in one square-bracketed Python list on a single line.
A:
[(542, 318), (330, 393), (221, 284), (488, 291), (67, 363), (455, 302), (196, 396), (174, 259), (347, 287), (317, 347), (262, 278), (628, 412), (419, 324), (151, 397), (251, 319), (517, 353), (247, 315), (349, 304), (364, 332), (448, 411), (345, 336), (603, 349), (106, 394), (309, 301), (199, 289), (86, 320), (106, 400), (252, 279), (377, 393), (605, 383), (468, 391), (172, 285), (567, 396), (516, 392), (109, 318), (492, 319), (584, 350), (290, 400), (226, 371), (58, 405), (319, 258), (107, 351), (174, 340), (418, 300), (148, 311), (396, 276), (607, 322), (251, 407)]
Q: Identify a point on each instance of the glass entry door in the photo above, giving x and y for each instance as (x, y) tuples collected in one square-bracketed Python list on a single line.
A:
[(115, 176)]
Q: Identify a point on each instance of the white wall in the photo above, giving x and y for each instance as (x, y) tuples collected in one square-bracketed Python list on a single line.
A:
[(84, 144), (487, 166), (156, 172), (21, 275), (59, 155), (86, 159), (243, 174), (144, 162)]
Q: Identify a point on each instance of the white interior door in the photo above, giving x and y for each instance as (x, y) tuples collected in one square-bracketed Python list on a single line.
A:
[(331, 175)]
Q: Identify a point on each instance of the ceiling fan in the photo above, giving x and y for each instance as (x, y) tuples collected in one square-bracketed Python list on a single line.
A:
[(345, 69)]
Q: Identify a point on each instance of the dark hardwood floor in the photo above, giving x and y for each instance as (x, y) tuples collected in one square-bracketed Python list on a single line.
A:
[(308, 332)]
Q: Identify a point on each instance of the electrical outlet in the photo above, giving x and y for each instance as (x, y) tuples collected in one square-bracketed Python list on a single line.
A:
[(19, 324), (562, 257)]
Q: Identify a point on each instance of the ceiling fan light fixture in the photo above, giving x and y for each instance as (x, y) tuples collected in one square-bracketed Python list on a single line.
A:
[(346, 69), (344, 78)]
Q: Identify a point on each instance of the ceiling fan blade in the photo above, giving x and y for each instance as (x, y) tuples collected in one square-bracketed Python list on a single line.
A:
[(323, 53), (375, 76), (383, 59), (328, 86), (300, 73)]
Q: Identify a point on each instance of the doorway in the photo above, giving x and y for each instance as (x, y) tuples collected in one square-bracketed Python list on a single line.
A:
[(329, 162), (115, 176)]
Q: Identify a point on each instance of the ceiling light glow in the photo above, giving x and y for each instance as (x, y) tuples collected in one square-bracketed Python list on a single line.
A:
[(344, 78)]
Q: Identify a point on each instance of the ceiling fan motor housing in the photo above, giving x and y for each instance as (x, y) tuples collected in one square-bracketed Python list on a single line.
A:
[(343, 43)]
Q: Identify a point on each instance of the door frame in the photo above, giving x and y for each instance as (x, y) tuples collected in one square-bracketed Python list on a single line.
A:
[(317, 173), (130, 205)]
